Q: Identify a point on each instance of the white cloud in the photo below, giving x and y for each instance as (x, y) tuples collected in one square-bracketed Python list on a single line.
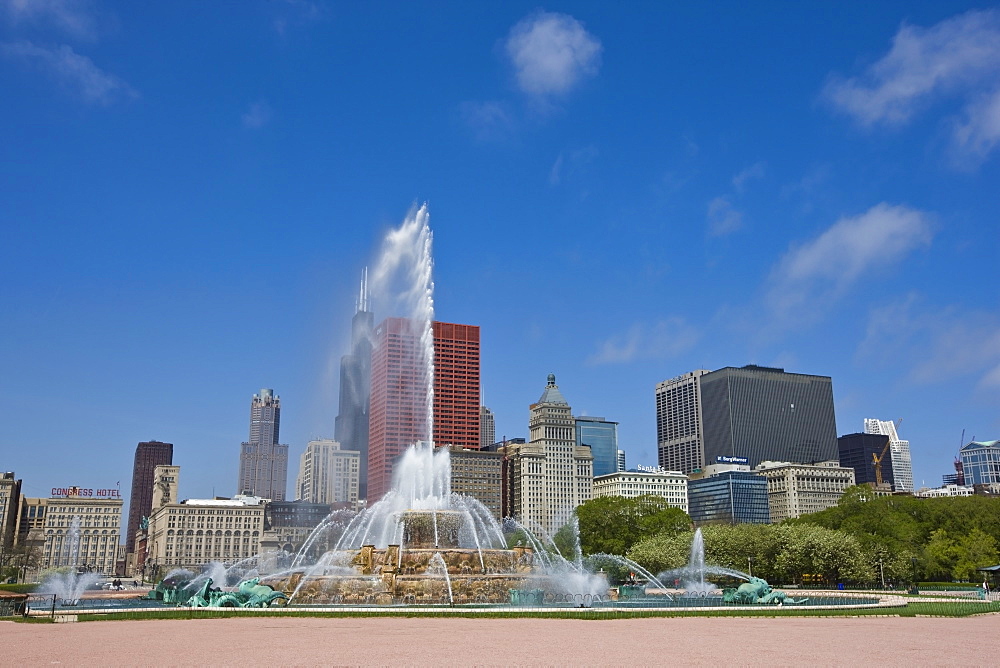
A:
[(551, 53), (77, 72), (257, 115), (723, 217), (667, 338), (751, 173), (826, 267), (572, 163), (488, 120), (979, 132), (951, 56), (938, 344), (68, 16)]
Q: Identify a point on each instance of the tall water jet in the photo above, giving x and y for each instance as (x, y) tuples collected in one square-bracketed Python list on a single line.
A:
[(69, 586), (402, 283)]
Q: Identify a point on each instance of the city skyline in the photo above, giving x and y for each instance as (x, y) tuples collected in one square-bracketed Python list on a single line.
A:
[(676, 193)]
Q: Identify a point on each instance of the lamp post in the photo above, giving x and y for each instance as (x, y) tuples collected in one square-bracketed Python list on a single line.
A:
[(881, 571), (749, 567)]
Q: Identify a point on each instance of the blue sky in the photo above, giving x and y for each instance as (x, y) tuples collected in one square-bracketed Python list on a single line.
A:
[(619, 193)]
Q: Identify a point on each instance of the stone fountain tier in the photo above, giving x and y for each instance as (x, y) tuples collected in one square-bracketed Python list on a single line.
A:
[(415, 575), (431, 528)]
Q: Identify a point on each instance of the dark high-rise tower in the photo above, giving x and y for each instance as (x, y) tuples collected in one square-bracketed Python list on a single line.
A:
[(752, 412), (351, 426), (263, 462), (148, 455)]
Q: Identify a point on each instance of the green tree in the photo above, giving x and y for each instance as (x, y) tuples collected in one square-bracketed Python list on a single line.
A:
[(975, 550), (613, 524)]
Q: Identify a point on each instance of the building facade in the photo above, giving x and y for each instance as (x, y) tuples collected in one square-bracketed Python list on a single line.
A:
[(195, 532), (263, 461), (680, 440), (10, 503), (902, 466), (329, 474), (400, 388), (858, 451), (602, 437), (550, 475), (351, 426), (729, 497), (671, 485), (478, 473), (945, 491), (74, 531), (981, 462), (487, 427), (456, 385), (800, 489), (148, 455), (399, 406), (621, 460), (753, 412)]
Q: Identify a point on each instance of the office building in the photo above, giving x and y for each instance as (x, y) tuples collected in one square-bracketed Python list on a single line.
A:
[(195, 532), (287, 526), (944, 491), (148, 455), (10, 504), (329, 474), (752, 412), (74, 528), (902, 468), (799, 489), (487, 427), (477, 473), (858, 451), (550, 475), (602, 437), (729, 497), (351, 426), (400, 389), (621, 460), (671, 485), (981, 462), (456, 385), (679, 432), (263, 461)]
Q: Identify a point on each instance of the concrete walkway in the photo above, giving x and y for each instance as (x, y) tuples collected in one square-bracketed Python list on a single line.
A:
[(691, 641)]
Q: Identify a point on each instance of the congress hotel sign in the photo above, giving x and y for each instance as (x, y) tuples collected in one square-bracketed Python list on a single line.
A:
[(86, 492)]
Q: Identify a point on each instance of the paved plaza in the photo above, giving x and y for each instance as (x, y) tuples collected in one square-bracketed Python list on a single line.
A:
[(270, 641)]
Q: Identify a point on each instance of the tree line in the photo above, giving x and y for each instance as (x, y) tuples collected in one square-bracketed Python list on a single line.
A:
[(865, 539)]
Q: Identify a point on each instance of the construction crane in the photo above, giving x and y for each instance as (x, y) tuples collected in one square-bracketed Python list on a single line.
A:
[(877, 459)]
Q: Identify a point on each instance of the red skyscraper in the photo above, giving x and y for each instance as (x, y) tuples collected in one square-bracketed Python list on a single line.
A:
[(397, 417), (456, 385)]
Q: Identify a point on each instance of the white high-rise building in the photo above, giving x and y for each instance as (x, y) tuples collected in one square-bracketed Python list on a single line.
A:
[(902, 467), (487, 427), (550, 475), (328, 473)]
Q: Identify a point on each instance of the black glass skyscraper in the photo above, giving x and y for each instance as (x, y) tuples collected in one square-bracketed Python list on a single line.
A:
[(754, 413), (351, 426)]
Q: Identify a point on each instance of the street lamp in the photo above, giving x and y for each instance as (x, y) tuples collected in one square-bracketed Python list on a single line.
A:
[(749, 567)]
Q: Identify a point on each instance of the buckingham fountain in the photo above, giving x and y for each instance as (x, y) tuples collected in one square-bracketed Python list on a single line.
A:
[(421, 544)]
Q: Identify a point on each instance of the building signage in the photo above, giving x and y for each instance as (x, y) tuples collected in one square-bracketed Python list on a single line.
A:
[(87, 492), (723, 459), (650, 469)]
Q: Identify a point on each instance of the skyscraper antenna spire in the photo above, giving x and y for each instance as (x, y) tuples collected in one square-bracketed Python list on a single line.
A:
[(363, 293)]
